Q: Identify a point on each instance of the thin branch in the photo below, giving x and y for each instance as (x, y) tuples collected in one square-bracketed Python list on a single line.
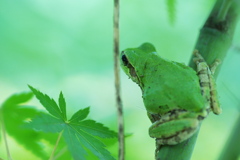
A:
[(121, 151), (56, 145), (5, 136)]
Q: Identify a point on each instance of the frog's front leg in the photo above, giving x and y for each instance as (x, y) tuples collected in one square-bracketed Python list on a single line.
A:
[(174, 127), (207, 83)]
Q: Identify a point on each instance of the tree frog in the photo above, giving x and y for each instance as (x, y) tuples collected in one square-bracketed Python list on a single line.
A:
[(176, 97)]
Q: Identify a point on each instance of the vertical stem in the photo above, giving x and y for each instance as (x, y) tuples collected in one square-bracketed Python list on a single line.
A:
[(121, 150), (55, 147), (4, 135)]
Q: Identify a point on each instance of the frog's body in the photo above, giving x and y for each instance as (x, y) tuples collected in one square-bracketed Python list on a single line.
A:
[(173, 92), (175, 100)]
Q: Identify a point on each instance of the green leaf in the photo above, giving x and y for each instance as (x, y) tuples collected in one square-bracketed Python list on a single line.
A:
[(47, 123), (50, 105), (18, 99), (62, 105), (80, 115), (171, 6), (80, 136), (74, 145), (96, 129), (94, 145), (14, 116)]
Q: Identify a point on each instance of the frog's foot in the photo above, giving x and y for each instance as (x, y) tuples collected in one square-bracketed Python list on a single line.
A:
[(175, 127), (208, 87)]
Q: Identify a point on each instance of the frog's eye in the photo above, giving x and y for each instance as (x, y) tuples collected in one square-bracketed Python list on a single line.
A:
[(125, 60)]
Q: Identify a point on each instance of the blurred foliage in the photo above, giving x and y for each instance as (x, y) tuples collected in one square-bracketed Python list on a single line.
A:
[(13, 115), (171, 6), (67, 45)]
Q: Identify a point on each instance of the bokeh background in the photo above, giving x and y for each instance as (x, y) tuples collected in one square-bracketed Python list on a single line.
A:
[(67, 45)]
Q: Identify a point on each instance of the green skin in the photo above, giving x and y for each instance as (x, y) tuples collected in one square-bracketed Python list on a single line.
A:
[(175, 97)]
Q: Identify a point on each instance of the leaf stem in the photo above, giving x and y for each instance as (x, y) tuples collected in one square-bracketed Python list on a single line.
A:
[(60, 153), (55, 147), (5, 135)]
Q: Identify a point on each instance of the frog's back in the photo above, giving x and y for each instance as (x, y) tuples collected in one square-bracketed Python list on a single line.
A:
[(171, 85)]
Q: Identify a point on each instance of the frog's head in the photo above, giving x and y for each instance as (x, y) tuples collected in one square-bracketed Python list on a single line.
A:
[(133, 61)]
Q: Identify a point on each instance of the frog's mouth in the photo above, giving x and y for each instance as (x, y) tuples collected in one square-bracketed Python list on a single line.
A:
[(134, 75), (132, 71)]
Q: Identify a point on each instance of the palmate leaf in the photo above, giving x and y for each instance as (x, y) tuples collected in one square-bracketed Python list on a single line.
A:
[(48, 103), (79, 115), (80, 135), (47, 123), (62, 105), (14, 114)]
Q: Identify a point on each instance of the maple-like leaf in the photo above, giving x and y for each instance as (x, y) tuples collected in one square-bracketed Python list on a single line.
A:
[(13, 115), (80, 135)]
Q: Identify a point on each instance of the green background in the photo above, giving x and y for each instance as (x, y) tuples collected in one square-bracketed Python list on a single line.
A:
[(68, 45)]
